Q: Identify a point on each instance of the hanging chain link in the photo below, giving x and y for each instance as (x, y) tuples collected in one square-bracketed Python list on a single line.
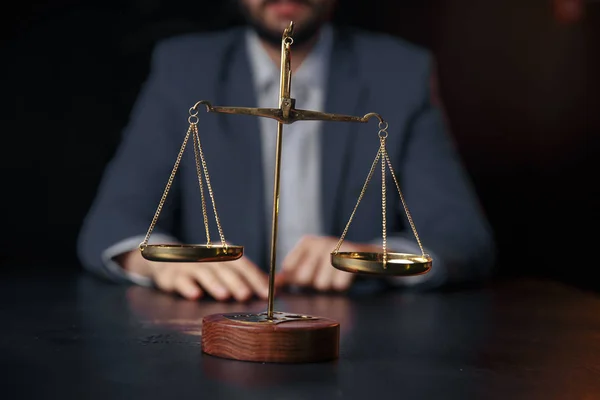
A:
[(166, 191), (362, 193), (382, 152), (208, 185), (199, 173), (410, 220)]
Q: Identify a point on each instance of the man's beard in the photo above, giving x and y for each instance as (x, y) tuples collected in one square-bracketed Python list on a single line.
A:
[(301, 35)]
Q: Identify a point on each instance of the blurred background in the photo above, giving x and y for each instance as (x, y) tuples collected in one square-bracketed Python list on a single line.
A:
[(519, 80)]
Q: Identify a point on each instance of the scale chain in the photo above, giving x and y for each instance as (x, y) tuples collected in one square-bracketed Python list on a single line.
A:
[(199, 173), (362, 193), (210, 191), (408, 216), (166, 191), (200, 168), (383, 201), (385, 161)]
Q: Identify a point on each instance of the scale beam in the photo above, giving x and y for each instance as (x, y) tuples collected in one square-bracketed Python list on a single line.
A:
[(287, 114)]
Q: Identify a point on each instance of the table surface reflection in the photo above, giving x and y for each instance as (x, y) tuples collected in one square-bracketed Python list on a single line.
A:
[(77, 337)]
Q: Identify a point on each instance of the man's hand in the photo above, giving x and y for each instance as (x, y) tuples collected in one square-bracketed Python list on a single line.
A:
[(309, 264), (240, 279)]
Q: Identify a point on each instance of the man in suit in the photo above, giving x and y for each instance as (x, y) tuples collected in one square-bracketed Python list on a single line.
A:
[(324, 164)]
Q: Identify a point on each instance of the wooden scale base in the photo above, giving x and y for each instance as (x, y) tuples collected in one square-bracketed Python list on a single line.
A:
[(286, 338), (283, 338)]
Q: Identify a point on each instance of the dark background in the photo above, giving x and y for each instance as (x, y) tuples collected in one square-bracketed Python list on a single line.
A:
[(520, 85)]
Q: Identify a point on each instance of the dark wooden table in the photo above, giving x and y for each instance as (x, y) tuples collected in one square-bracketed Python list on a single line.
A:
[(75, 337)]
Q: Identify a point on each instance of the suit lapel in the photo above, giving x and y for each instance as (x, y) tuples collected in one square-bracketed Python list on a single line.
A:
[(344, 93)]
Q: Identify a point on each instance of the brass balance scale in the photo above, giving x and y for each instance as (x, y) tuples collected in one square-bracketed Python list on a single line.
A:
[(278, 336)]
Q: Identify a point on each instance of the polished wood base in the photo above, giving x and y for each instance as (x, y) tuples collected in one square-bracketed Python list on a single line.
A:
[(297, 341)]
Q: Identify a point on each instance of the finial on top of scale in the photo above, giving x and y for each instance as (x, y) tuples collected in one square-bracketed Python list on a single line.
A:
[(289, 31)]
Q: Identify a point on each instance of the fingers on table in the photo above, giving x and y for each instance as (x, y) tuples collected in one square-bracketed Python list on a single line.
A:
[(240, 279)]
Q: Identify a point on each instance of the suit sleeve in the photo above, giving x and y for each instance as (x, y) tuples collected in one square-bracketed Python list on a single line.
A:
[(441, 199), (134, 180)]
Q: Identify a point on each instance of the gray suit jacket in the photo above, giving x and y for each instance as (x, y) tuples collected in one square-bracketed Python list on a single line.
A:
[(368, 73)]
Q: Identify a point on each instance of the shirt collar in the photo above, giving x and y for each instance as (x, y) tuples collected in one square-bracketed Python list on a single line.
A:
[(312, 72)]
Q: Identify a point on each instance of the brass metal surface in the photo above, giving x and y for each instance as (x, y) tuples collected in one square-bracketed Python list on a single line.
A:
[(287, 114), (274, 220), (191, 252), (385, 263), (263, 318), (377, 263), (285, 104), (396, 264)]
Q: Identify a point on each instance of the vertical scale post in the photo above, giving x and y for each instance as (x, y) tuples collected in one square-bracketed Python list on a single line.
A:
[(285, 104)]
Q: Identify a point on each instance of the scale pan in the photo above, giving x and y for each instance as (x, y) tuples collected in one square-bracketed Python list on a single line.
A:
[(398, 264), (191, 252)]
